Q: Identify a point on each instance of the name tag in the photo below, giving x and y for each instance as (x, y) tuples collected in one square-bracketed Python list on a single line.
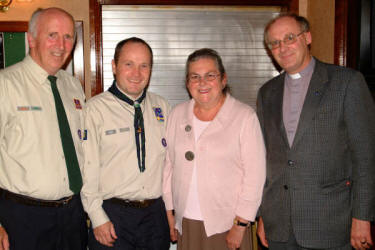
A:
[(29, 108), (110, 132), (124, 129)]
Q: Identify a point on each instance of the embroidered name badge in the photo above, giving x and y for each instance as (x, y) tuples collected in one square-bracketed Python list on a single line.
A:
[(84, 137), (29, 108), (124, 129), (159, 114), (110, 132), (78, 104), (36, 108), (23, 108)]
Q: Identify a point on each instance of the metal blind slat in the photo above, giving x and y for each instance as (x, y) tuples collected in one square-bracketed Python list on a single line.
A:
[(175, 32)]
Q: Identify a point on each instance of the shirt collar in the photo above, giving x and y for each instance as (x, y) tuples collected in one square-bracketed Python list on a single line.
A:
[(305, 72), (36, 71)]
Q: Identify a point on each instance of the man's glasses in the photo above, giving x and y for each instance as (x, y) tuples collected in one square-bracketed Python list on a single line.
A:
[(209, 77), (288, 39)]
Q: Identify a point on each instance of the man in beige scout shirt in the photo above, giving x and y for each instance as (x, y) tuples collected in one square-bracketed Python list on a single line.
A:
[(40, 117), (124, 156)]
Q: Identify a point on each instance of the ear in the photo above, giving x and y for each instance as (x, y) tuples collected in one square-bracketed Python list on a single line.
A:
[(224, 80), (113, 67), (308, 37), (31, 40)]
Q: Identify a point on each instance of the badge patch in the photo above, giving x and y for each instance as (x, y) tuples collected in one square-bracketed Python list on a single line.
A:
[(110, 132), (124, 129), (84, 134), (159, 114), (78, 104), (37, 108), (23, 108)]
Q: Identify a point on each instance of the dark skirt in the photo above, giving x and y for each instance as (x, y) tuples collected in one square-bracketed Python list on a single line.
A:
[(194, 237)]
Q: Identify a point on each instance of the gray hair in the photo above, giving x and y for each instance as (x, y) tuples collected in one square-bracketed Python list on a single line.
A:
[(33, 23), (301, 21)]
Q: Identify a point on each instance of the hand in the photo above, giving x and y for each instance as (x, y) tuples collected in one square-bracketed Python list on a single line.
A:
[(235, 235), (360, 237), (4, 240), (261, 233), (105, 234), (171, 223)]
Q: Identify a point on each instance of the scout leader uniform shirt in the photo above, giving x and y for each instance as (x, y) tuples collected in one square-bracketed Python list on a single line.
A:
[(111, 164), (32, 159)]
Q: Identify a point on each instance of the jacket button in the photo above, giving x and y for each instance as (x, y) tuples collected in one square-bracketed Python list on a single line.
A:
[(286, 187), (189, 156), (290, 163)]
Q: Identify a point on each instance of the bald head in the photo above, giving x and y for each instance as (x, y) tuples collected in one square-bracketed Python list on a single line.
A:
[(40, 13), (51, 38)]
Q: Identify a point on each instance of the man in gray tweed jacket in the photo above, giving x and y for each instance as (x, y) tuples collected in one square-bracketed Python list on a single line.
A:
[(318, 122)]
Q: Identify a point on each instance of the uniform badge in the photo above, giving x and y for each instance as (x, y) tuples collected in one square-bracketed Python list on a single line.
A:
[(78, 104), (23, 108), (36, 108), (84, 137), (159, 114)]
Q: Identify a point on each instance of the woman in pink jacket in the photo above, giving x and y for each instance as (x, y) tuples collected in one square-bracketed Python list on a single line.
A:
[(215, 165)]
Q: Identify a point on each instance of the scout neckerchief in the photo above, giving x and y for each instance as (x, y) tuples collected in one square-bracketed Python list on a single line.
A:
[(139, 127)]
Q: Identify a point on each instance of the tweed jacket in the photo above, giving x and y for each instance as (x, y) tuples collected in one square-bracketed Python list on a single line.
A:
[(327, 176)]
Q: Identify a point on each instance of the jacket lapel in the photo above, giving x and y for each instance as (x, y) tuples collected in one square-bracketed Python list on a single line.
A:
[(277, 107), (315, 92)]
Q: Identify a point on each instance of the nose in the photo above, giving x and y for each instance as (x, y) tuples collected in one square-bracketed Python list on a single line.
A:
[(137, 71), (283, 47), (60, 42)]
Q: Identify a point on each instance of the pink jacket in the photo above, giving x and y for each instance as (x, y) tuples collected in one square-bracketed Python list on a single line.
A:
[(230, 158)]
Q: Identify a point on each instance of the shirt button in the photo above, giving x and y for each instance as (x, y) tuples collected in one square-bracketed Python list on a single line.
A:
[(291, 163), (286, 187)]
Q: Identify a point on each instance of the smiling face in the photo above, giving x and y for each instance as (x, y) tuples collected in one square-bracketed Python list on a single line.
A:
[(54, 40), (133, 68), (294, 57), (206, 93)]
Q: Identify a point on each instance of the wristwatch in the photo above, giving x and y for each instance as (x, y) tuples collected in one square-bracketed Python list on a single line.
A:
[(241, 224)]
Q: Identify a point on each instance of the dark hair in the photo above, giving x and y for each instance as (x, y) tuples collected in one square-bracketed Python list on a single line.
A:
[(206, 53), (131, 40), (302, 21)]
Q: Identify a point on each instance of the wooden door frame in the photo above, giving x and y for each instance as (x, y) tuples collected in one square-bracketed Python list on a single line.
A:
[(96, 48)]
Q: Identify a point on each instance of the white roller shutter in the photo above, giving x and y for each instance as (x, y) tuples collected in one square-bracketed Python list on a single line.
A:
[(174, 32)]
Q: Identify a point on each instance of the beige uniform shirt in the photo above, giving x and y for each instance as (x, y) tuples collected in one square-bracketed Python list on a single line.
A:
[(31, 155), (111, 164)]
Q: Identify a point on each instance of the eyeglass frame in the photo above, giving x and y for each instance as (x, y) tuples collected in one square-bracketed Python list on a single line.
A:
[(285, 40), (199, 77)]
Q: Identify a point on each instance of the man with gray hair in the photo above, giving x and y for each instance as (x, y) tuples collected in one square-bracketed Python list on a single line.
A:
[(40, 151), (318, 123)]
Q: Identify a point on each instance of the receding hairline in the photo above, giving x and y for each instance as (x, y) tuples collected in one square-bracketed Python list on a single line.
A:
[(301, 21), (40, 13)]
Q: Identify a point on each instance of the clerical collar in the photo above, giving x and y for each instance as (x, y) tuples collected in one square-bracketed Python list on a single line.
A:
[(305, 71)]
